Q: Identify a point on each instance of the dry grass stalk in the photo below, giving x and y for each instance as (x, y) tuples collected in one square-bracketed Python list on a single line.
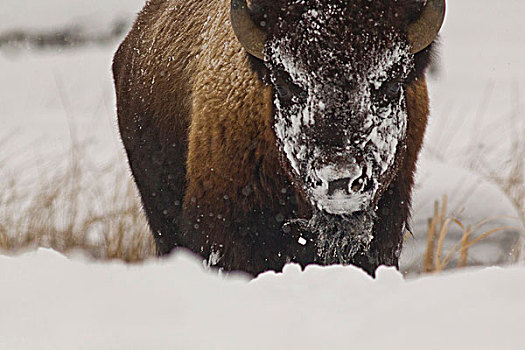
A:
[(436, 259), (437, 219), (463, 254)]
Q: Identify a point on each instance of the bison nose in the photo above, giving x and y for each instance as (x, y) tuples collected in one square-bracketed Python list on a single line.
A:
[(337, 178), (339, 185)]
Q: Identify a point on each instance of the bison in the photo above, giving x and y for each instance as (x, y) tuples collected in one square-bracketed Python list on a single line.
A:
[(274, 131)]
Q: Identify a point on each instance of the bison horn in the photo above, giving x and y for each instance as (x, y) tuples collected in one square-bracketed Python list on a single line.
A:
[(251, 36), (424, 30)]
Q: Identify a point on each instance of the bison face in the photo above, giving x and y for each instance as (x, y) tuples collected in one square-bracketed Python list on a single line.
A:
[(340, 110), (338, 69)]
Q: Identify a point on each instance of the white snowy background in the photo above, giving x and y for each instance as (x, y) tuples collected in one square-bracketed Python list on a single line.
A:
[(48, 301)]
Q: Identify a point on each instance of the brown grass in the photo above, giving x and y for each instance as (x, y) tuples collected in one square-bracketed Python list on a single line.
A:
[(79, 206), (436, 259)]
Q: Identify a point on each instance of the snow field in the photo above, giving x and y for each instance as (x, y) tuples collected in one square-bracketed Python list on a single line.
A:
[(51, 302)]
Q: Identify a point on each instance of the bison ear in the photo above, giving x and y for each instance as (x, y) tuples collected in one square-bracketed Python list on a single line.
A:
[(425, 28), (250, 35)]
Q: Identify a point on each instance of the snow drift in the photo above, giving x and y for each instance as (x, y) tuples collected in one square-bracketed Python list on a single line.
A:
[(50, 302)]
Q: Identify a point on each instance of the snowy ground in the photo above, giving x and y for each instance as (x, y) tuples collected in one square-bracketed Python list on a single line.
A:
[(49, 302)]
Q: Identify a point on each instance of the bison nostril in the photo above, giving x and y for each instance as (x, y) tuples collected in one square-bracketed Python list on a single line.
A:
[(338, 185), (357, 184), (363, 183)]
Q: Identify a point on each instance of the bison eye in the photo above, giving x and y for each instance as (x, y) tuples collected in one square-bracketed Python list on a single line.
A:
[(284, 91), (391, 89)]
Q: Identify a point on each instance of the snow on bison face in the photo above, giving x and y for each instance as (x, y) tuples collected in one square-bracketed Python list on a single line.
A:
[(339, 70), (340, 110)]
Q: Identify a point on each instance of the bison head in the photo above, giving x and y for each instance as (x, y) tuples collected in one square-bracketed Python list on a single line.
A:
[(339, 70)]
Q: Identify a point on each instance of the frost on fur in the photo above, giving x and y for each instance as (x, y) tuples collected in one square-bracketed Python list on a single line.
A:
[(340, 118)]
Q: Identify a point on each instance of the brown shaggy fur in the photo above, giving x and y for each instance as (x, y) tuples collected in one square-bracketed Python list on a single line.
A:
[(196, 121)]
